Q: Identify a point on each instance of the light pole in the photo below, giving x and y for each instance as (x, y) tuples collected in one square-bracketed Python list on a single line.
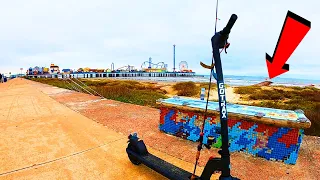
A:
[(174, 58)]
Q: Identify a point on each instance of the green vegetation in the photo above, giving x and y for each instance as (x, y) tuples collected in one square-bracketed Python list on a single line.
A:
[(191, 89), (125, 91), (53, 82), (206, 85), (246, 89), (186, 88), (290, 98)]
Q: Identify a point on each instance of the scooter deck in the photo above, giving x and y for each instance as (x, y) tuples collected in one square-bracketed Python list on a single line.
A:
[(166, 169)]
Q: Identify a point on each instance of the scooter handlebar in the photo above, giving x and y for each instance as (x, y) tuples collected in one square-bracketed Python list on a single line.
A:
[(230, 24), (219, 39)]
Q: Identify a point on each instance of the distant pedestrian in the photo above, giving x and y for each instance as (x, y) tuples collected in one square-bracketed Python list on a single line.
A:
[(1, 80)]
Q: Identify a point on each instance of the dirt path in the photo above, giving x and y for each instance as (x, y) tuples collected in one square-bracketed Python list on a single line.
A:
[(43, 139), (126, 118)]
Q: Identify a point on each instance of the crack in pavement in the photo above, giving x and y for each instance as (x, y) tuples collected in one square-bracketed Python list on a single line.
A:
[(58, 159)]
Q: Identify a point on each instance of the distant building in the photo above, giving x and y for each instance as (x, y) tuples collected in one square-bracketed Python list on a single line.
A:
[(86, 69), (100, 70), (155, 70), (37, 70), (80, 70), (29, 71), (45, 70), (54, 69), (66, 71)]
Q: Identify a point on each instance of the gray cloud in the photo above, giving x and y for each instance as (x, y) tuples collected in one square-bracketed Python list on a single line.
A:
[(75, 33)]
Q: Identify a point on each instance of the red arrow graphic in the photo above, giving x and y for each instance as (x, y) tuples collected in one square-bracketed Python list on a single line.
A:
[(293, 31)]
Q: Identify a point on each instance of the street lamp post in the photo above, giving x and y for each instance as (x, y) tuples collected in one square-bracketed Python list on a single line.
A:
[(174, 58), (21, 72)]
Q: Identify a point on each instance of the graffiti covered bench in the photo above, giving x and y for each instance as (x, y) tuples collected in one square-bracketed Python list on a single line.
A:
[(272, 134)]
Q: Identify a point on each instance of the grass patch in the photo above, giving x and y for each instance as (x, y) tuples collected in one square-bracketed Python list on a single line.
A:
[(54, 82), (206, 85), (307, 99), (186, 88), (125, 91), (246, 89), (192, 89)]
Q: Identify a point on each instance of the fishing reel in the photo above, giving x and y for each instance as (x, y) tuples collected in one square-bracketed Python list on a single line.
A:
[(210, 140)]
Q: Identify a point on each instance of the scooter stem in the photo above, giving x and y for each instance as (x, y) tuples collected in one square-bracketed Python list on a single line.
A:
[(219, 40)]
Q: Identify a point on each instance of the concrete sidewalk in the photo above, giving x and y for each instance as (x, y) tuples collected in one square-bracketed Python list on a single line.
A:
[(43, 139)]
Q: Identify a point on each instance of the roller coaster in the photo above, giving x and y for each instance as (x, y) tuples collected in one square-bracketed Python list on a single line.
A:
[(127, 68), (148, 66)]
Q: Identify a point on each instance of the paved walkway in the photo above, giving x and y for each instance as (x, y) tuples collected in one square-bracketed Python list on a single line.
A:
[(43, 139)]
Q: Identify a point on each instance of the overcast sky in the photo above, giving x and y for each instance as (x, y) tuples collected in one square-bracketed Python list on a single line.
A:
[(95, 33)]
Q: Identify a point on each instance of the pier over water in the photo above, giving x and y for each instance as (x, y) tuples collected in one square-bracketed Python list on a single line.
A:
[(115, 74)]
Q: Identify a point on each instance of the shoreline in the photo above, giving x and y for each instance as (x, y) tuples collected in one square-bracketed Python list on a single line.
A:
[(230, 82)]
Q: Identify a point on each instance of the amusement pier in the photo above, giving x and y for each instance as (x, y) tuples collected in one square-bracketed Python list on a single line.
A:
[(147, 69)]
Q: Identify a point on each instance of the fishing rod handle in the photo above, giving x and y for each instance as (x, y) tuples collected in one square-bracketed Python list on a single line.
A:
[(230, 24)]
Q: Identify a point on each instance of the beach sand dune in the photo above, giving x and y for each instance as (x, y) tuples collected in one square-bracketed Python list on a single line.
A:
[(264, 83)]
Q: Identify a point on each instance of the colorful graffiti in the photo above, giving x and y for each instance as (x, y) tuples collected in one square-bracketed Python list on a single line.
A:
[(279, 114), (271, 143)]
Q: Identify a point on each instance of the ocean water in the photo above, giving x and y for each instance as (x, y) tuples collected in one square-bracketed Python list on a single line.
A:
[(233, 80)]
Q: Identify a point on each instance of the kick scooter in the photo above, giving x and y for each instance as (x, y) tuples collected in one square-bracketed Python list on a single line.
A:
[(138, 153)]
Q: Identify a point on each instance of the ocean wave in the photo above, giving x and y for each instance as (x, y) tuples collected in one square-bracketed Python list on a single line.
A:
[(232, 81)]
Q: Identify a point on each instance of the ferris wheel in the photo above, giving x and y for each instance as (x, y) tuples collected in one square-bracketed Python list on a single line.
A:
[(183, 65)]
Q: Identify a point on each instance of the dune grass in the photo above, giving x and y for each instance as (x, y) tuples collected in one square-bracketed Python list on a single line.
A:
[(186, 88), (290, 98), (53, 82), (192, 89), (128, 91), (206, 85), (133, 92)]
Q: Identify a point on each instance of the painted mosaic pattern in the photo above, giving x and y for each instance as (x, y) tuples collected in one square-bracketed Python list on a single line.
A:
[(278, 114), (271, 143)]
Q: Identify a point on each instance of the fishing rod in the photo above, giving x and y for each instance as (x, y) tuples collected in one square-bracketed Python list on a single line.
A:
[(212, 73), (218, 41), (206, 109), (215, 26)]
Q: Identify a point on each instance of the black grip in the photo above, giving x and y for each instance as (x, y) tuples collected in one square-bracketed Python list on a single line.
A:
[(230, 24)]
